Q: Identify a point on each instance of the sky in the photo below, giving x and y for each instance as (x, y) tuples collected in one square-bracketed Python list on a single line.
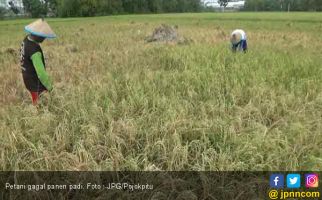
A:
[(5, 2)]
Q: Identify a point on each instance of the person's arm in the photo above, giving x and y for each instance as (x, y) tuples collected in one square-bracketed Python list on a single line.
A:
[(233, 47), (40, 70), (244, 45)]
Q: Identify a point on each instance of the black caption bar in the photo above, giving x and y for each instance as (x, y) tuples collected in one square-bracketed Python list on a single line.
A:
[(134, 185)]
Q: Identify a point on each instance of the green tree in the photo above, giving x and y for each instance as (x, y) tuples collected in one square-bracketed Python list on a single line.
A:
[(271, 5), (71, 8), (88, 7), (51, 6), (155, 6), (169, 5), (68, 8), (255, 5), (310, 5), (115, 6), (3, 12), (102, 7), (194, 5), (284, 5), (35, 8), (318, 5)]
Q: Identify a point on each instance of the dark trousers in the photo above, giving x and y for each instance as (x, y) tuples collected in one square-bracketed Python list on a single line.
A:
[(241, 46)]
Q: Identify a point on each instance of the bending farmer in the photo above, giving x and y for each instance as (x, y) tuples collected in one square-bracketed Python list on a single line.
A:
[(239, 40), (33, 64)]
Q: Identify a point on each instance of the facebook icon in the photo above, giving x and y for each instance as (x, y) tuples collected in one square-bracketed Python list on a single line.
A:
[(277, 181)]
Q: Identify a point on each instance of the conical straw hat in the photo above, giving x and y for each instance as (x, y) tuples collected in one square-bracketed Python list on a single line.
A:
[(40, 28)]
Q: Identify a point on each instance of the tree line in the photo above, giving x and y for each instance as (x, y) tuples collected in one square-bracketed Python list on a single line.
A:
[(86, 8), (283, 5)]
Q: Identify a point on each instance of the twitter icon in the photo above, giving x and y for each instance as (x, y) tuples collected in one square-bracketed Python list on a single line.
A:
[(293, 180)]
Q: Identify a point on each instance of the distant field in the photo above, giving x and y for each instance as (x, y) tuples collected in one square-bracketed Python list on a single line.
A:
[(123, 104)]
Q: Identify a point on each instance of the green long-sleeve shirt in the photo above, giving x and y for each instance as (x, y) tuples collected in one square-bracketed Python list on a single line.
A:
[(41, 71)]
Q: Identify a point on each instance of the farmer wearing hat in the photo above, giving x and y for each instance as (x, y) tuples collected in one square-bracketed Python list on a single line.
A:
[(33, 65), (239, 40)]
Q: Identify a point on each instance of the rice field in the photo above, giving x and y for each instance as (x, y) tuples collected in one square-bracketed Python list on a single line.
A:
[(120, 103)]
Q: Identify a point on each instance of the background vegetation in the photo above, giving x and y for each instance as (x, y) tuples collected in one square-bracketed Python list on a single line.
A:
[(283, 5), (120, 103), (85, 8)]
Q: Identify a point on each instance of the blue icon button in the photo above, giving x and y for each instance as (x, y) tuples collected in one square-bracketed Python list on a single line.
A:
[(293, 180), (277, 181)]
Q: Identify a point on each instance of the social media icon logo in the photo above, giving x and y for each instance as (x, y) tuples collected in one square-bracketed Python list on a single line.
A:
[(277, 181), (293, 180), (311, 180)]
